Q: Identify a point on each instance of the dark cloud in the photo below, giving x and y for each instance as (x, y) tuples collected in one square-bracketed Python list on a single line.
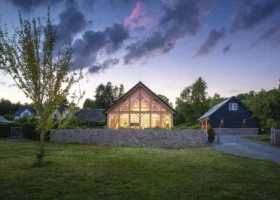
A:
[(109, 63), (211, 41), (71, 22), (226, 49), (272, 35), (181, 18), (28, 5), (115, 37), (254, 12), (86, 49)]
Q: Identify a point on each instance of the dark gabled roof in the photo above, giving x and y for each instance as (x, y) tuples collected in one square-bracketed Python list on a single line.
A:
[(23, 108), (96, 115), (62, 108), (148, 89), (218, 106)]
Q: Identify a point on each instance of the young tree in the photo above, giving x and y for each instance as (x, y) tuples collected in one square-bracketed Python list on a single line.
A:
[(42, 76)]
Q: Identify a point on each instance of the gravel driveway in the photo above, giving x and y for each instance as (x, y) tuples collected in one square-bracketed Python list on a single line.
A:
[(248, 148)]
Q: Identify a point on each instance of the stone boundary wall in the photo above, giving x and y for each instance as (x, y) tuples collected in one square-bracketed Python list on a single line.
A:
[(236, 131), (275, 137), (133, 137)]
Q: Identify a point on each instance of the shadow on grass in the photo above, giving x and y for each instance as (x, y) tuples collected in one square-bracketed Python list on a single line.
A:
[(38, 165)]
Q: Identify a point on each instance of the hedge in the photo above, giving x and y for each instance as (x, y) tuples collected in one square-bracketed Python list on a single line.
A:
[(5, 129)]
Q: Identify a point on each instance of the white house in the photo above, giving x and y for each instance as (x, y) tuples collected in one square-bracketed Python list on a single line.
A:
[(24, 111)]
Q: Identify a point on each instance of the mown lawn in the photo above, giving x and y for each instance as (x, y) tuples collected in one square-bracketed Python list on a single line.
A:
[(74, 171), (261, 138)]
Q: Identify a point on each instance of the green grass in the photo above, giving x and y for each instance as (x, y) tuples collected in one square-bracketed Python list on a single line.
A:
[(261, 138), (74, 171)]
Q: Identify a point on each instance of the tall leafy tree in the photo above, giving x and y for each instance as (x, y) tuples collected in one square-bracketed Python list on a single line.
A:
[(89, 104), (199, 96), (265, 105), (215, 100), (193, 101), (42, 76), (105, 95), (165, 99), (121, 90), (7, 107)]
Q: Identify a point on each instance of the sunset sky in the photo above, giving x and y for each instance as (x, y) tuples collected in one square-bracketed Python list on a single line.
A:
[(167, 44)]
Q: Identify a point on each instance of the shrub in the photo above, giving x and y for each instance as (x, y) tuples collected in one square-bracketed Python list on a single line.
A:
[(76, 123), (187, 126), (182, 127), (8, 117), (196, 126), (211, 135)]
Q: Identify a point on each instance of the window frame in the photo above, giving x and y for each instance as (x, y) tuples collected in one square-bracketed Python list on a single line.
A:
[(231, 106)]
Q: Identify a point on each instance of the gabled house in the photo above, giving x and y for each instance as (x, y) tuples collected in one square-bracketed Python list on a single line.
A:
[(24, 111), (139, 108), (95, 115), (63, 109), (231, 113)]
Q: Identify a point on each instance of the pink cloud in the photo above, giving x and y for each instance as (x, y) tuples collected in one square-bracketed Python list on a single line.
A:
[(138, 17)]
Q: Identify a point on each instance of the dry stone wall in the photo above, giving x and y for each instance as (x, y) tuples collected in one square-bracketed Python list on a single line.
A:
[(132, 137), (275, 136)]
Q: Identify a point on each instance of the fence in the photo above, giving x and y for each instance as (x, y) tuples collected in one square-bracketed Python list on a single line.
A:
[(275, 136), (16, 133)]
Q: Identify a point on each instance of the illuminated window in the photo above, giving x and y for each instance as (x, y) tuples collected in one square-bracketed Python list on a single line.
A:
[(156, 121), (155, 105), (145, 101), (124, 106), (134, 121), (124, 120), (165, 120), (145, 120), (139, 109), (134, 101), (113, 121)]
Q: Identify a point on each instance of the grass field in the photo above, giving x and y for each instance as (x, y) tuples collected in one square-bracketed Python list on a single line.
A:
[(74, 171), (261, 138)]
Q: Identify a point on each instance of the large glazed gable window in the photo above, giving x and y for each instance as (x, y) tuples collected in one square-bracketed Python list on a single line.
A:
[(139, 110), (233, 106)]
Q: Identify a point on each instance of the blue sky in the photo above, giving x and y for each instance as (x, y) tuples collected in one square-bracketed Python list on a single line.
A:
[(167, 44)]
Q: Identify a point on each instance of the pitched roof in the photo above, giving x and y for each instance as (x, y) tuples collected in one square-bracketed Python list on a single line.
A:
[(2, 119), (218, 106), (23, 108), (62, 108), (134, 87), (96, 115)]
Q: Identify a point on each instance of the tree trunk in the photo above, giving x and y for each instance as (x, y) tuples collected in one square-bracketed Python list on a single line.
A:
[(40, 156)]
